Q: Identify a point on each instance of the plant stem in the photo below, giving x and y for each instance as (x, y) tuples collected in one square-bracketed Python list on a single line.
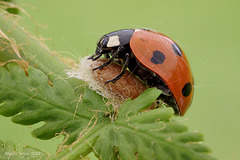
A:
[(30, 48)]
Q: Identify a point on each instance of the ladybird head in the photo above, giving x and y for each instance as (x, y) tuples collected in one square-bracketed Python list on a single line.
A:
[(101, 45)]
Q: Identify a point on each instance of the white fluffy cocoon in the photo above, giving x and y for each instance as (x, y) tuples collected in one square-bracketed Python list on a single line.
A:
[(127, 86)]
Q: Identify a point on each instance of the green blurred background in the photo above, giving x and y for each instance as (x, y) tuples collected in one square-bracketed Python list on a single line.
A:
[(208, 32)]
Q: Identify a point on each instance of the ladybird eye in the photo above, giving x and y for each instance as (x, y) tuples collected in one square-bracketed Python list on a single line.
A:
[(176, 49), (104, 42), (100, 41)]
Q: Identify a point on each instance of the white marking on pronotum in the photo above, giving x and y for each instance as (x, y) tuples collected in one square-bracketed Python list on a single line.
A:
[(136, 30), (113, 41)]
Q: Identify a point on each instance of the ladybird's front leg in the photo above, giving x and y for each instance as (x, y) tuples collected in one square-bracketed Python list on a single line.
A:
[(97, 55), (110, 60), (93, 58), (124, 68)]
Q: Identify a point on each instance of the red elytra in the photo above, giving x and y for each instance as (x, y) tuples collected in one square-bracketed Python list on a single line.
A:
[(174, 70)]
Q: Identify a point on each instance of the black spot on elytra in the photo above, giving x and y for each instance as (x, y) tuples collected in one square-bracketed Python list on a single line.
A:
[(158, 57), (187, 89), (176, 49)]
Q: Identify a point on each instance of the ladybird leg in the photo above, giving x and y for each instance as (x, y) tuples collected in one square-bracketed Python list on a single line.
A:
[(118, 61), (91, 57), (97, 57), (106, 63), (109, 61), (124, 68)]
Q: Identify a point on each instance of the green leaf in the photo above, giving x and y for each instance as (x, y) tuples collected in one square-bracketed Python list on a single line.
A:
[(142, 101), (31, 99), (8, 151), (155, 134), (19, 45)]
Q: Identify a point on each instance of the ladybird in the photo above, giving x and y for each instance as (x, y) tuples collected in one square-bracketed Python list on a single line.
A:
[(155, 59)]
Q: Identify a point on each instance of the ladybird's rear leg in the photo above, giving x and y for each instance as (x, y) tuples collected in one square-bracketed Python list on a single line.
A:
[(124, 68), (109, 61)]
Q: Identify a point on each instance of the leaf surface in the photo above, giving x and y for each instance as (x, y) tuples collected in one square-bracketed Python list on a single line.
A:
[(31, 99), (155, 134)]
